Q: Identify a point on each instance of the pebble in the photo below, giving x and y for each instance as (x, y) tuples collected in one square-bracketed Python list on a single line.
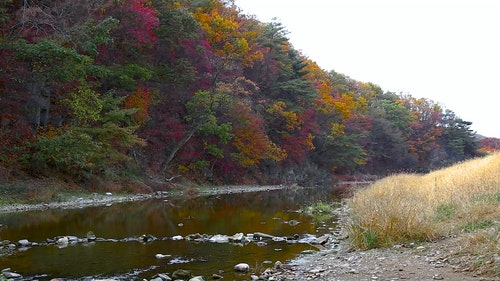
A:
[(438, 277)]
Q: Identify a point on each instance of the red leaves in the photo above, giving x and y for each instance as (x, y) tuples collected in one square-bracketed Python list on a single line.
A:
[(146, 21), (138, 22)]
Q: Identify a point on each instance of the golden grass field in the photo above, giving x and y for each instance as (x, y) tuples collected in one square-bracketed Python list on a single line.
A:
[(411, 207)]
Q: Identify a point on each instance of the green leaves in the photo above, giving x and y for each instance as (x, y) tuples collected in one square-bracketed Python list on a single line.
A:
[(86, 106), (51, 60), (74, 153)]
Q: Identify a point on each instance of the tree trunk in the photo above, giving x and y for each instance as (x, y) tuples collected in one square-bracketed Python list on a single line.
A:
[(177, 147)]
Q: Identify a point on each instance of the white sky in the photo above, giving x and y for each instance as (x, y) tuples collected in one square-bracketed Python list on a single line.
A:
[(444, 50)]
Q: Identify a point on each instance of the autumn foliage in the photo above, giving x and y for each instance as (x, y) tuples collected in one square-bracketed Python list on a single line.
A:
[(198, 89)]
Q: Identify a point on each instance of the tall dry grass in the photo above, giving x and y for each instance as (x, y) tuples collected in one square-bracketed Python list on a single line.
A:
[(411, 207)]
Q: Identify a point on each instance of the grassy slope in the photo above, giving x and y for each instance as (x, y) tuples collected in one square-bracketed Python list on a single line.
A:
[(464, 198)]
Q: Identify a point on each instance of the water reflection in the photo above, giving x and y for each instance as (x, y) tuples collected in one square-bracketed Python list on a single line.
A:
[(266, 212)]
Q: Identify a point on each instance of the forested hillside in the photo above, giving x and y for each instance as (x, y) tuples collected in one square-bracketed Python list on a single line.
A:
[(195, 88)]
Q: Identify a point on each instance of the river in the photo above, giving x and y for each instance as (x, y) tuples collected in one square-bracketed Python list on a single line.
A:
[(117, 227)]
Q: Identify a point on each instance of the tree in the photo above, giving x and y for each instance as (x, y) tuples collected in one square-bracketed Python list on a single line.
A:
[(457, 140), (95, 144), (200, 112)]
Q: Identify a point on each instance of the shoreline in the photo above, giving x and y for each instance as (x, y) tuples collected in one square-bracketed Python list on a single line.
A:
[(102, 199)]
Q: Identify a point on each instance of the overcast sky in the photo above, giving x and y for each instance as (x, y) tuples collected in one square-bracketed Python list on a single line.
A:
[(444, 50)]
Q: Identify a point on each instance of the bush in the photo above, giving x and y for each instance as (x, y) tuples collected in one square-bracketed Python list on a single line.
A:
[(70, 153)]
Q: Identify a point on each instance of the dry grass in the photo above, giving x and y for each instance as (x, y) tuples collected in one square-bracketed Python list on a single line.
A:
[(408, 207)]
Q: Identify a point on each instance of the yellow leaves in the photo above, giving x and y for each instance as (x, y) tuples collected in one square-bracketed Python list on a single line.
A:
[(309, 141), (292, 121), (226, 32), (337, 129)]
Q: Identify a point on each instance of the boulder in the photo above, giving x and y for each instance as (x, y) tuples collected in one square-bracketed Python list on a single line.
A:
[(197, 278), (242, 267)]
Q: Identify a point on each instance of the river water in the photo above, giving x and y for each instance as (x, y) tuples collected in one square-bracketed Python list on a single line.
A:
[(269, 212)]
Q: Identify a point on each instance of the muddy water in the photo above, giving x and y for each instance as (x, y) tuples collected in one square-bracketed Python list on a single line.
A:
[(268, 212)]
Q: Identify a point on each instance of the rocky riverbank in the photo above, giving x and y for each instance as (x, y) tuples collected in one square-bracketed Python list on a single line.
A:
[(443, 259)]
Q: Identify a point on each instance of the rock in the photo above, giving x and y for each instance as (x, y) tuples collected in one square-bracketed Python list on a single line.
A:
[(182, 274), (293, 222), (260, 235), (10, 274), (254, 277), (321, 240), (279, 239), (156, 279), (162, 256), (218, 238), (72, 239), (196, 237), (242, 267), (24, 243), (91, 236), (177, 238), (197, 278), (353, 271), (308, 252), (438, 276), (164, 277), (63, 241), (146, 238), (261, 244), (109, 193), (237, 237), (217, 276), (278, 265)]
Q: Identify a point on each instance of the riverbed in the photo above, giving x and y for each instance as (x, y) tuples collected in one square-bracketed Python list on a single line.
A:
[(143, 238)]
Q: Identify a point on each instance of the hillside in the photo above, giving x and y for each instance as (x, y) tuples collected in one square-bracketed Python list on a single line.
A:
[(196, 91)]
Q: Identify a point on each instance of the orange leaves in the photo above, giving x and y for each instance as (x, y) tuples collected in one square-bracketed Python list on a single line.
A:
[(226, 32), (254, 146), (251, 141), (141, 101)]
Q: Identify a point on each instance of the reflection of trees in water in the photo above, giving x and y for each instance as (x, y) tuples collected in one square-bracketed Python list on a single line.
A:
[(242, 212)]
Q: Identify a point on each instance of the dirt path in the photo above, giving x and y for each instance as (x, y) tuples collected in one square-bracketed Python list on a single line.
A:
[(429, 261)]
